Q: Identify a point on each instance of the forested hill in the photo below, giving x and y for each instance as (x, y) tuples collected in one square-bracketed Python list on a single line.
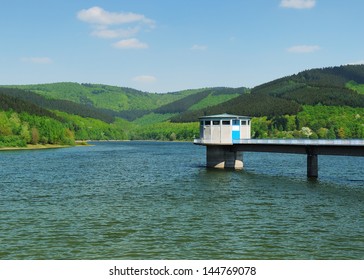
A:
[(321, 103), (63, 112), (335, 86)]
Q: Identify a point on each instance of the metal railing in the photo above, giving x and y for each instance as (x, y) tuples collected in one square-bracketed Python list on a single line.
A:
[(319, 142)]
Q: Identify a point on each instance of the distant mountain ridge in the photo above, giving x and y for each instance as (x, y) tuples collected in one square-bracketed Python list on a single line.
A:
[(327, 86), (94, 111), (333, 86), (114, 101)]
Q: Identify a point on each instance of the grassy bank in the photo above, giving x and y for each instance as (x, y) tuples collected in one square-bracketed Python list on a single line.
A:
[(34, 147), (46, 146)]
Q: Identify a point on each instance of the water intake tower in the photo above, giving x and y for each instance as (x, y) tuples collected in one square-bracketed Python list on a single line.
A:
[(219, 131)]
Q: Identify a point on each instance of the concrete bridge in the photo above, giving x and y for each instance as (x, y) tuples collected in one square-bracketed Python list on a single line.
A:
[(230, 156), (221, 135)]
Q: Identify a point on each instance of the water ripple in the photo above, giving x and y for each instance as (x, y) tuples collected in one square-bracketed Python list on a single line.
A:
[(145, 200)]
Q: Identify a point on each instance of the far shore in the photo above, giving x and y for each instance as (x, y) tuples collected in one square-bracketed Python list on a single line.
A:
[(41, 146), (78, 143), (35, 147)]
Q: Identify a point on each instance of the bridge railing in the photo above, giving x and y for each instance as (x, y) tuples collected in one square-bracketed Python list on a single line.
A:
[(334, 142)]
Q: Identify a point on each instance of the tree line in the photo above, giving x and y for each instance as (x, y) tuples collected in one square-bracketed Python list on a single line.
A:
[(286, 96), (318, 103), (20, 129), (315, 122), (29, 99)]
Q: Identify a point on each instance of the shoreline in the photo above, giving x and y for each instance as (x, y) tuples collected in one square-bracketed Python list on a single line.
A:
[(35, 147), (78, 144), (43, 147)]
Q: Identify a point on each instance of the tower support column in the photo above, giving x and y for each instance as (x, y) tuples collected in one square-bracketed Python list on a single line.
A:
[(223, 157), (312, 166)]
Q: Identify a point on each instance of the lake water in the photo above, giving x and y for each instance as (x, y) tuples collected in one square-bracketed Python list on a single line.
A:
[(153, 200)]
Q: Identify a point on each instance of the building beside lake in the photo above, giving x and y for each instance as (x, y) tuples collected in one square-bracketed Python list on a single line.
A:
[(224, 129), (218, 133)]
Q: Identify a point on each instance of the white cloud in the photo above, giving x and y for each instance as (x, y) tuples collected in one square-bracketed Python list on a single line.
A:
[(145, 79), (111, 25), (97, 15), (298, 4), (103, 32), (199, 48), (131, 43), (37, 60), (304, 49)]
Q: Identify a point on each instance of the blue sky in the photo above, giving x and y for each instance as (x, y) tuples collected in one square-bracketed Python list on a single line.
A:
[(165, 45)]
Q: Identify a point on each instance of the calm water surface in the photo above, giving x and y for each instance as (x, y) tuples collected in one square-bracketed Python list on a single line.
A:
[(150, 200)]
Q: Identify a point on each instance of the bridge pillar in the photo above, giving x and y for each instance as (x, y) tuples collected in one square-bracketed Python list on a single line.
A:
[(312, 166), (223, 157)]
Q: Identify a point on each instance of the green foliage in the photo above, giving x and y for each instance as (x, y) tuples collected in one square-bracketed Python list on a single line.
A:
[(317, 103), (345, 122), (12, 141), (17, 130), (285, 96), (259, 127), (153, 118), (212, 100), (332, 76), (107, 102), (9, 101), (104, 96), (182, 104), (93, 129), (326, 122), (246, 104), (10, 130), (188, 102), (50, 131), (167, 131), (325, 96), (20, 101), (22, 122), (359, 88)]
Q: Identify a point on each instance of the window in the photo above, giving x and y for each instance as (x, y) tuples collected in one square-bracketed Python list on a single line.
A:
[(225, 122), (207, 122), (235, 122), (216, 122), (243, 122)]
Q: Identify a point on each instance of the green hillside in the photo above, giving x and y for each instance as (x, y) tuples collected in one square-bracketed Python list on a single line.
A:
[(104, 96), (126, 103), (23, 123), (359, 88), (336, 86), (317, 103), (80, 120)]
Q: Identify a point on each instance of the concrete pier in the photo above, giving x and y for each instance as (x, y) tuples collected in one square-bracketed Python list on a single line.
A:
[(312, 166), (223, 157), (312, 161)]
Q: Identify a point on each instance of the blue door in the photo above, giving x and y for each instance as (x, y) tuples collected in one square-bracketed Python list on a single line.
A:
[(236, 130)]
